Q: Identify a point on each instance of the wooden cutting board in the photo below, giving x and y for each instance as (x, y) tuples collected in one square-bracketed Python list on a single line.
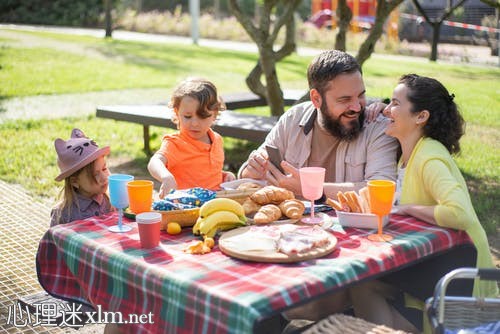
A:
[(228, 241)]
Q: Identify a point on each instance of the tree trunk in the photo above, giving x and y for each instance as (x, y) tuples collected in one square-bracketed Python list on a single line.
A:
[(344, 16), (384, 9), (217, 10), (138, 6), (273, 91), (436, 23), (436, 31), (264, 33), (108, 19)]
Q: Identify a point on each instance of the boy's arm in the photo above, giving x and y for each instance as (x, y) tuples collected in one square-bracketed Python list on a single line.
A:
[(157, 168)]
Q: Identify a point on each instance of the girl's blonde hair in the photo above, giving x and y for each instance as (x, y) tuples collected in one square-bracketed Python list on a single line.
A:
[(67, 193), (204, 92)]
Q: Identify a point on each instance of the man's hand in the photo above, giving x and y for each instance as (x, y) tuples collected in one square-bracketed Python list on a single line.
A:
[(373, 110), (256, 167), (290, 180)]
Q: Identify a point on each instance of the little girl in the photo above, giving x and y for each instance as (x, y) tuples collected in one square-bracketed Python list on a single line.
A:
[(83, 168), (194, 156)]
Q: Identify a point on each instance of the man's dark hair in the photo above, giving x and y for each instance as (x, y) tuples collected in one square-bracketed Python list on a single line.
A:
[(327, 66)]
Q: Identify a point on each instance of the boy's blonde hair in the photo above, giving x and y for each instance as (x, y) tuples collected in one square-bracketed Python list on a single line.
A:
[(204, 92)]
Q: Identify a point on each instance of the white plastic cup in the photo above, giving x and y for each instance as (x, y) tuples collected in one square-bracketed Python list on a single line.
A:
[(149, 228)]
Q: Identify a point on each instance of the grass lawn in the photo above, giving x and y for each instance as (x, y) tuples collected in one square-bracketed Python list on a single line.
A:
[(83, 64)]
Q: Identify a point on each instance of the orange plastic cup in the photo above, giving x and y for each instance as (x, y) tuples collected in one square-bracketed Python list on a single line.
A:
[(381, 196), (140, 195), (149, 228)]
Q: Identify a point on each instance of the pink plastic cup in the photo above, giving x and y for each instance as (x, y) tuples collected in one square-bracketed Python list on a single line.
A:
[(149, 228), (140, 195)]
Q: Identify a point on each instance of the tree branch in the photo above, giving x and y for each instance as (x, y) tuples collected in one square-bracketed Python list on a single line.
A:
[(287, 15), (246, 22)]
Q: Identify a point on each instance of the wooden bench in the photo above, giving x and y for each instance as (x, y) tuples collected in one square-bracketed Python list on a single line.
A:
[(229, 123)]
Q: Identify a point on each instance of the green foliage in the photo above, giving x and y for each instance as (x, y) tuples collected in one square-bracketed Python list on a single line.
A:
[(52, 12)]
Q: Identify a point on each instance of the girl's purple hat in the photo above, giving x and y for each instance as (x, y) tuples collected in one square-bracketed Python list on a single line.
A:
[(76, 153)]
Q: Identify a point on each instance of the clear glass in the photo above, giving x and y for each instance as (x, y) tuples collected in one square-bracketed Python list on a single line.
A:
[(311, 181), (381, 199), (118, 197)]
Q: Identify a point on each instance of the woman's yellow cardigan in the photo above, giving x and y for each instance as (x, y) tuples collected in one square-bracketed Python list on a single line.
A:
[(433, 178)]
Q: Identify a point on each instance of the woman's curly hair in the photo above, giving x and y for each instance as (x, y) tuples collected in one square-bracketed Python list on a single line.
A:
[(445, 124)]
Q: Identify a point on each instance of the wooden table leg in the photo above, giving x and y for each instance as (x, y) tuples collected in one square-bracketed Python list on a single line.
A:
[(146, 139)]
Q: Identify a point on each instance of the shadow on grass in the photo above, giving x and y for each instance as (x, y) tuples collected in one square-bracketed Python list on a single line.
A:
[(2, 107), (485, 196)]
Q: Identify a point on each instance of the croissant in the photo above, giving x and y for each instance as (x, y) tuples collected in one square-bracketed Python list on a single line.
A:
[(271, 194), (267, 214), (292, 208), (250, 206)]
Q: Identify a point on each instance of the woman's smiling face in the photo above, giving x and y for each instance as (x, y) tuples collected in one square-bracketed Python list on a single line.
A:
[(403, 121)]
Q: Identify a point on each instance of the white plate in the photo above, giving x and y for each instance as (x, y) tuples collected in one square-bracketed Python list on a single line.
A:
[(359, 220), (231, 185)]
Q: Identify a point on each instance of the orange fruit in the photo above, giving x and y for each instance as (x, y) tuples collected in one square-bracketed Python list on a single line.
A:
[(209, 242), (173, 228)]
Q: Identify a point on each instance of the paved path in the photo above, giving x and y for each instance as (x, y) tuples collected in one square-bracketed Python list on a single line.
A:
[(23, 221), (454, 53)]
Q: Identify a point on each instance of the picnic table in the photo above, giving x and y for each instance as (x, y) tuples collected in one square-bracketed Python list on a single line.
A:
[(214, 293), (230, 123)]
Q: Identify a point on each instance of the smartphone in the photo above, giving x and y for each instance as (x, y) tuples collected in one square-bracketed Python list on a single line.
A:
[(274, 157)]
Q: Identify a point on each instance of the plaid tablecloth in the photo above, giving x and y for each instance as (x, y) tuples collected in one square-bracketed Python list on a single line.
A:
[(214, 293)]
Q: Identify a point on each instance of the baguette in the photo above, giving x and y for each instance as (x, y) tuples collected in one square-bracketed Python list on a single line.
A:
[(343, 202), (350, 201), (334, 204), (364, 196)]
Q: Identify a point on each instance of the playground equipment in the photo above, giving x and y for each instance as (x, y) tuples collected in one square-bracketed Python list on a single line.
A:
[(363, 15)]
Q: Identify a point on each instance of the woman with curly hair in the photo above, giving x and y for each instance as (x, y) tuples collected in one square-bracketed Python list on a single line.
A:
[(425, 119)]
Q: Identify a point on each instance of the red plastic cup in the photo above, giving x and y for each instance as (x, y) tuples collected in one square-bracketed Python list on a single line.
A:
[(149, 228), (140, 195)]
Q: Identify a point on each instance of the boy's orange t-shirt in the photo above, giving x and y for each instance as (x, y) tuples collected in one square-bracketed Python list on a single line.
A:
[(192, 162)]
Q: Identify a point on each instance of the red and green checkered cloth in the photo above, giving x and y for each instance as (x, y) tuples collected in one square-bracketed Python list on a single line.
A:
[(213, 293)]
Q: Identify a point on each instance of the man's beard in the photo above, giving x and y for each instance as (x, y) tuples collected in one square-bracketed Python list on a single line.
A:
[(336, 129)]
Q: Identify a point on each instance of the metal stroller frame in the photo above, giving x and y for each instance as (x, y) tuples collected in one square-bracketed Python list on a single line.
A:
[(462, 312)]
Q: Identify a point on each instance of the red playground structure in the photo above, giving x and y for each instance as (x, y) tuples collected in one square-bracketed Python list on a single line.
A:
[(363, 15)]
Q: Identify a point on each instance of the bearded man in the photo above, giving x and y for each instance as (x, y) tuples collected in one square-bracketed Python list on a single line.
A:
[(328, 131)]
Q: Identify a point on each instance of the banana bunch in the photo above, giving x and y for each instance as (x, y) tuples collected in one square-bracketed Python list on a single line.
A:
[(219, 214)]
